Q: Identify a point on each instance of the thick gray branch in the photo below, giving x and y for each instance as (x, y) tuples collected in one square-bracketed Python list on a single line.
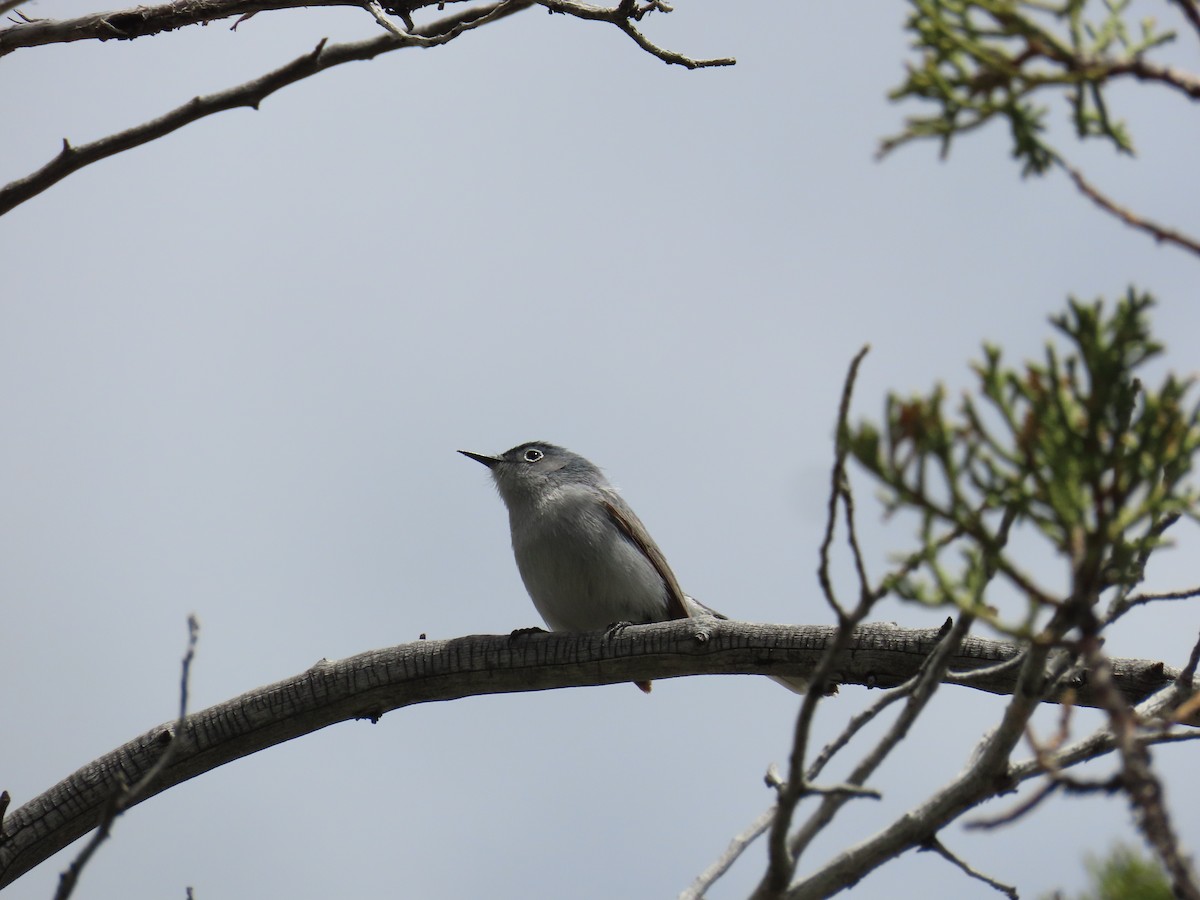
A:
[(370, 684)]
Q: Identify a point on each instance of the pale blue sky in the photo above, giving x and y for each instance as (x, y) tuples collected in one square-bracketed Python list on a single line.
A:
[(235, 365)]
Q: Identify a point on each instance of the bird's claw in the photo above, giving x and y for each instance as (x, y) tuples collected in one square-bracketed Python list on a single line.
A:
[(615, 629)]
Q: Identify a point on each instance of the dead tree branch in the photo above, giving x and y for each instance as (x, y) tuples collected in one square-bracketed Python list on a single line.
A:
[(370, 684), (71, 159), (141, 21)]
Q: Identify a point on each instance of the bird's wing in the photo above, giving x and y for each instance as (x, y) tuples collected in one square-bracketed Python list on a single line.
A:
[(632, 527)]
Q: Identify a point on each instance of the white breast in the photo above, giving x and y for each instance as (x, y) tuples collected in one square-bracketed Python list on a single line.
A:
[(580, 570)]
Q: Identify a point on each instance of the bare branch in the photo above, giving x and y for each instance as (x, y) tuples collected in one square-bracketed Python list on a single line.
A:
[(1189, 671), (780, 861), (141, 21), (1095, 746), (981, 779), (857, 723), (721, 865), (738, 845), (979, 675), (1025, 806), (370, 684), (936, 846), (670, 56), (388, 25), (251, 94), (838, 491), (623, 15), (1121, 607), (125, 795), (1125, 598), (1160, 233), (932, 669)]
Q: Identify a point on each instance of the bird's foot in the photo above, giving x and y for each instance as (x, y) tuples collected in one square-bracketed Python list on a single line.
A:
[(615, 629)]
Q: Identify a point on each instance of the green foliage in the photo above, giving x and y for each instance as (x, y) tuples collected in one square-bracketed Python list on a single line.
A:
[(980, 60), (1125, 875), (1074, 447)]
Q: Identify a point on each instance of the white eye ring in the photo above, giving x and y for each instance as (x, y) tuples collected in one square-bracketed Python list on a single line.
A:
[(533, 455)]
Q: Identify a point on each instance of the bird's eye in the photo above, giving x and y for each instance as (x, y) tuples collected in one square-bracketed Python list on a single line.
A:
[(533, 454)]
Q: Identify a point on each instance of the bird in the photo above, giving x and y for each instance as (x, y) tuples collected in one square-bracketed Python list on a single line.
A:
[(586, 559)]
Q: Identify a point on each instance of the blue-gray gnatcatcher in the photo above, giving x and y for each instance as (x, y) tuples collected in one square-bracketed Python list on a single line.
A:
[(584, 555)]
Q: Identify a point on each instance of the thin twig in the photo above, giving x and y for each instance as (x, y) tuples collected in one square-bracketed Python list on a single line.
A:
[(842, 790), (1165, 595), (1185, 685), (670, 56), (721, 865), (780, 861), (857, 723), (1123, 606), (1160, 233), (1056, 781), (737, 846), (936, 846), (388, 25), (838, 489), (1154, 709), (623, 15), (126, 796), (928, 680), (408, 34), (984, 777), (1025, 806), (976, 675), (1184, 681), (1125, 598)]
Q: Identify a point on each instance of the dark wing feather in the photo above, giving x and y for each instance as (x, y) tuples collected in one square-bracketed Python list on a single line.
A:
[(633, 529)]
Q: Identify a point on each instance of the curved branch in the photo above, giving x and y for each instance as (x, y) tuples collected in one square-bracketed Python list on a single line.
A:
[(623, 15), (1142, 70), (141, 21), (1160, 233), (1191, 12), (370, 684), (129, 24), (251, 94)]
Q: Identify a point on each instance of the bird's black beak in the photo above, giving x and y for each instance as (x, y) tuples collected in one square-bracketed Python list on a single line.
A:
[(489, 461)]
